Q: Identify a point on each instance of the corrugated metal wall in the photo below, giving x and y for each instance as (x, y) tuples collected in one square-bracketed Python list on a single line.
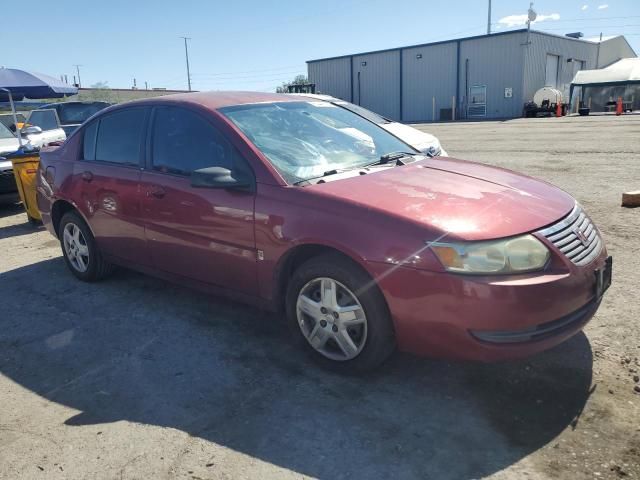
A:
[(536, 57), (332, 77), (500, 61), (497, 63), (433, 75), (614, 49), (376, 82)]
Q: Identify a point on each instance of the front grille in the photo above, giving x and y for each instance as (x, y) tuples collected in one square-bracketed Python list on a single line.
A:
[(576, 237)]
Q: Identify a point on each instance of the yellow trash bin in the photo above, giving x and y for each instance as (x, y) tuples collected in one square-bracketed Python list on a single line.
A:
[(25, 169)]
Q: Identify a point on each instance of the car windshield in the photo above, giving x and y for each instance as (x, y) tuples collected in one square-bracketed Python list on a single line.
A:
[(303, 140), (7, 120), (5, 132)]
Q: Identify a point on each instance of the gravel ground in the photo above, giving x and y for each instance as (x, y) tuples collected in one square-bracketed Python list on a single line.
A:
[(137, 378)]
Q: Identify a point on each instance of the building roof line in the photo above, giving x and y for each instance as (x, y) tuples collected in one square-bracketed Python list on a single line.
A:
[(452, 40)]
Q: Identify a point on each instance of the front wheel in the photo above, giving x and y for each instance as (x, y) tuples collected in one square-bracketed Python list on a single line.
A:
[(338, 314)]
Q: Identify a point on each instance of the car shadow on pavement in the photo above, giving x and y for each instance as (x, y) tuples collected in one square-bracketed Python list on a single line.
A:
[(18, 230), (138, 349)]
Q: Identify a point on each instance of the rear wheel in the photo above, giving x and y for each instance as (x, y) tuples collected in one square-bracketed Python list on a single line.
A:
[(338, 314), (80, 251)]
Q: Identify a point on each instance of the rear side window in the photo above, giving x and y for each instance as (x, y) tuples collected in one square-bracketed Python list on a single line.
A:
[(89, 142), (184, 141), (119, 138), (45, 119)]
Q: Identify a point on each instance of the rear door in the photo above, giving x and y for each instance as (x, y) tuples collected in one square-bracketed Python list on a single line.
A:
[(204, 234), (108, 178)]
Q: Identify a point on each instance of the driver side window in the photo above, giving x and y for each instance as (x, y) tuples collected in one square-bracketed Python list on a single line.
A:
[(183, 141)]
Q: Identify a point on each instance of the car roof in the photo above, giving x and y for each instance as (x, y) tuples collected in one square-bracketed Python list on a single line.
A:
[(216, 100)]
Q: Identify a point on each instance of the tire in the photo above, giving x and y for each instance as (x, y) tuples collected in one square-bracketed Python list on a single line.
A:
[(84, 253), (312, 319)]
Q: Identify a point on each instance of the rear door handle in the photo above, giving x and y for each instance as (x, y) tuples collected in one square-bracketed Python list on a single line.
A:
[(156, 191), (87, 176)]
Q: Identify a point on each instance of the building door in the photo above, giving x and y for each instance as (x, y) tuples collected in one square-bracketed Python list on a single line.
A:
[(551, 76), (477, 106)]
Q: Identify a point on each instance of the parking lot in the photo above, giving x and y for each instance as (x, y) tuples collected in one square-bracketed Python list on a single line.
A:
[(137, 378)]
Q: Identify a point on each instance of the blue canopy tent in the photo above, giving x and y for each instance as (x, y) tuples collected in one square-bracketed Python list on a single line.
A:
[(19, 84)]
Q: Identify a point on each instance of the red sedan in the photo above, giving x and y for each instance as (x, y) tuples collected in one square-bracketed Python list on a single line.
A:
[(306, 208)]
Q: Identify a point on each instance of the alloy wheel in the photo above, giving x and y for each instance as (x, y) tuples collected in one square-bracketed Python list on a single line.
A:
[(75, 247)]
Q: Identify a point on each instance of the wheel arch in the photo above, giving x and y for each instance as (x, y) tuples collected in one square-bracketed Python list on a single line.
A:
[(58, 210), (299, 254)]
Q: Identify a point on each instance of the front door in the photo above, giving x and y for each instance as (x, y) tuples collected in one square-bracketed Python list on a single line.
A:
[(107, 177), (205, 234)]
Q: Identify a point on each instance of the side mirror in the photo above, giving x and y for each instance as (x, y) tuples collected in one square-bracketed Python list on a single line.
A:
[(219, 177), (31, 130)]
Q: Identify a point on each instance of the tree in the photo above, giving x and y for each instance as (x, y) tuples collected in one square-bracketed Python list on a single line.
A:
[(100, 91), (299, 80), (100, 85)]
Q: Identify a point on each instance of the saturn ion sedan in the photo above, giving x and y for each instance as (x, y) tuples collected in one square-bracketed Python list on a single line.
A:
[(308, 209)]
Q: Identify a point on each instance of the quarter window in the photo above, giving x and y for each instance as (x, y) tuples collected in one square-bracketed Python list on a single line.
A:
[(89, 142), (183, 141), (119, 138)]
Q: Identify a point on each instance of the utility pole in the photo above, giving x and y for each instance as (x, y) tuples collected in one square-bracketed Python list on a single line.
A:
[(186, 54), (489, 19), (78, 70)]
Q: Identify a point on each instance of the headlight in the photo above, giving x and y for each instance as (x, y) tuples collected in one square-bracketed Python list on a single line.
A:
[(513, 255)]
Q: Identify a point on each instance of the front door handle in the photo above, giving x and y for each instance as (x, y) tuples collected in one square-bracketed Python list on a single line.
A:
[(156, 191), (87, 176)]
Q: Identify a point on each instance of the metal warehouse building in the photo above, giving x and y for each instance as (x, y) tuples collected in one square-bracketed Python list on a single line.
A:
[(487, 76)]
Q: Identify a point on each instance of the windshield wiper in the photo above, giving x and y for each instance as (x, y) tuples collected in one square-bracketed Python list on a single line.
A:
[(392, 157), (384, 159), (325, 174)]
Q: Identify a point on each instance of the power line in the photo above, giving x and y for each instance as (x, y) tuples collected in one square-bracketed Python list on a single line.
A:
[(267, 75), (596, 26), (254, 71), (585, 19)]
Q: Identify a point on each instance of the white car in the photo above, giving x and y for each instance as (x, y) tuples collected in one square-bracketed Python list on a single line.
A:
[(8, 144), (421, 141), (41, 128)]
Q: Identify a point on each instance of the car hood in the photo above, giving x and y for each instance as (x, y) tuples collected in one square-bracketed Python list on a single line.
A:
[(8, 145), (465, 200)]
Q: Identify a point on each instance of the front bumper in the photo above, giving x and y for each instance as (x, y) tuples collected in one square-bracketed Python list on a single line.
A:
[(488, 317)]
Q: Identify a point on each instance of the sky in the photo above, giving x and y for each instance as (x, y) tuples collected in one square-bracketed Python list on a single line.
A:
[(257, 45)]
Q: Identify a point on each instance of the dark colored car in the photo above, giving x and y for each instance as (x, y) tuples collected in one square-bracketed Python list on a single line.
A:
[(73, 114), (307, 208)]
